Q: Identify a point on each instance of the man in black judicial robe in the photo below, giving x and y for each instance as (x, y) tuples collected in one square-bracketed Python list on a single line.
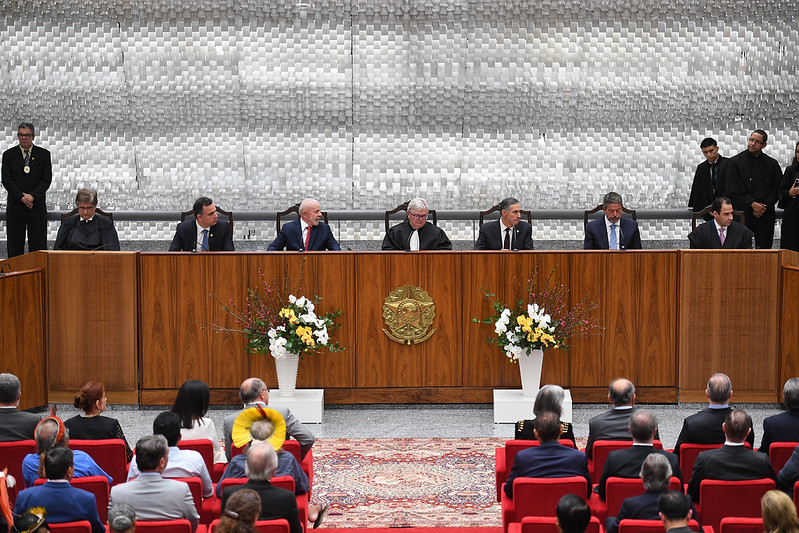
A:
[(415, 233)]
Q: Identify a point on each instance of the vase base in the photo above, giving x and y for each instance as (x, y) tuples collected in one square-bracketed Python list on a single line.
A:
[(307, 405)]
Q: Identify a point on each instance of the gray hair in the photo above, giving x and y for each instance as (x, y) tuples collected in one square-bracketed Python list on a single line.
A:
[(306, 204), (121, 517), (656, 472), (9, 388), (417, 204), (549, 399), (88, 196), (790, 393), (505, 204), (643, 424), (611, 198), (619, 395), (26, 126), (250, 389), (262, 429), (261, 462), (149, 452), (719, 388)]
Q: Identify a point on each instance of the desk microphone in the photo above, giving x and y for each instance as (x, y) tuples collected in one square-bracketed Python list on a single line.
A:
[(621, 238), (3, 269)]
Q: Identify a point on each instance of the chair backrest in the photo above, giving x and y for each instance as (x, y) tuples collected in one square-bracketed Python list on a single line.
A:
[(779, 453), (180, 525), (796, 494), (720, 499), (525, 213), (602, 449), (284, 482), (735, 524), (109, 454), (617, 489), (293, 447), (281, 525), (540, 496), (588, 212), (514, 446), (97, 486), (709, 209), (81, 526), (231, 481), (431, 214), (12, 454), (688, 454), (629, 525), (293, 209), (196, 488), (229, 214), (109, 216), (546, 524), (204, 447)]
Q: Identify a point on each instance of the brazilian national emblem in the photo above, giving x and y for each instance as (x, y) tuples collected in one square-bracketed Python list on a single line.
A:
[(409, 311)]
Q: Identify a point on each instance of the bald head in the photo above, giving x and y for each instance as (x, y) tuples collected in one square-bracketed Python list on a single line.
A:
[(719, 389), (621, 392), (261, 462), (310, 211), (737, 425), (251, 391)]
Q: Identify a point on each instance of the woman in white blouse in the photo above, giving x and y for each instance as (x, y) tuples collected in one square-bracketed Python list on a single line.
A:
[(191, 405)]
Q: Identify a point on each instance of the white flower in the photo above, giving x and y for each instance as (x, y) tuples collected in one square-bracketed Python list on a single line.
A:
[(301, 302), (513, 352), (292, 299), (308, 318), (321, 335)]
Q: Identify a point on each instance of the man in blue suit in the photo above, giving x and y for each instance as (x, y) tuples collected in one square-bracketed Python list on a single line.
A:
[(551, 458), (783, 427), (612, 232), (205, 232), (308, 233), (62, 501)]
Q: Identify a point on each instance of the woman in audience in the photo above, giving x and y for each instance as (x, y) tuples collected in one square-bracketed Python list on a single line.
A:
[(241, 512), (191, 405), (121, 518), (788, 200), (779, 513), (87, 230), (548, 400), (91, 425), (29, 522)]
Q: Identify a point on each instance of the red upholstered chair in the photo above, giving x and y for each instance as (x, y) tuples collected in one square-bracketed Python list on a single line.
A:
[(629, 525), (109, 454), (505, 455), (601, 450), (205, 448), (796, 494), (546, 524), (618, 489), (741, 525), (263, 526), (538, 496), (779, 453), (82, 526), (719, 499), (205, 507), (688, 454), (285, 482), (11, 456), (292, 446), (167, 526), (97, 485)]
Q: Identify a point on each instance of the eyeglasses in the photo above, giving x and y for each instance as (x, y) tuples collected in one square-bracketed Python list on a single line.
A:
[(418, 217), (24, 135), (90, 208), (755, 141)]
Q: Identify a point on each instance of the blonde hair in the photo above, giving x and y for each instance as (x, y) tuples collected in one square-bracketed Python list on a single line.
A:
[(779, 513)]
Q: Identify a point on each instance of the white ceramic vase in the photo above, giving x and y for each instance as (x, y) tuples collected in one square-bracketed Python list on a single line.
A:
[(530, 364), (286, 368)]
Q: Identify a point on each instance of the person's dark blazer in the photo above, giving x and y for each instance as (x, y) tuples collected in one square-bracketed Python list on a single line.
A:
[(728, 463), (704, 427), (596, 235), (491, 236), (290, 238), (705, 236), (550, 459), (17, 425), (34, 183), (276, 502), (627, 464), (431, 237), (185, 239), (108, 234), (789, 474), (702, 193), (783, 427), (610, 425), (641, 507), (64, 503)]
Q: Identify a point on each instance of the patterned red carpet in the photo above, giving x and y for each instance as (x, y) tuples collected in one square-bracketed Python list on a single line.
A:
[(390, 483)]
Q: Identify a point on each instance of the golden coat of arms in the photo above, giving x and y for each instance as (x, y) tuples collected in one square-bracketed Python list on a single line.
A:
[(409, 311)]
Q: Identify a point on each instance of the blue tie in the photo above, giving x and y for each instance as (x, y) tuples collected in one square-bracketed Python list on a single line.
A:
[(205, 241), (614, 241)]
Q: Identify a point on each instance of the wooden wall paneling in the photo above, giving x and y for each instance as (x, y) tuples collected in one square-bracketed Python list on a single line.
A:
[(621, 315), (789, 326), (586, 354), (656, 351)]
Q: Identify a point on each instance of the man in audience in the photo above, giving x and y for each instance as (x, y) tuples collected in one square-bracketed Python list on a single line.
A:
[(551, 458), (674, 509), (731, 462), (62, 501), (150, 495), (414, 233), (655, 473), (721, 231), (572, 514), (182, 463), (253, 391), (627, 463), (704, 427), (204, 232), (612, 231), (753, 181), (789, 474), (509, 232), (710, 179), (613, 424), (783, 427), (307, 233), (121, 518), (51, 433), (276, 502), (14, 424)]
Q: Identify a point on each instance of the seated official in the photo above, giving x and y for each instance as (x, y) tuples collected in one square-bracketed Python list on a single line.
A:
[(509, 232), (87, 230), (205, 233), (612, 231), (307, 233), (414, 233), (721, 231)]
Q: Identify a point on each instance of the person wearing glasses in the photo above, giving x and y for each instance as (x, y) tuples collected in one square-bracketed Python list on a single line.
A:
[(414, 233), (87, 230), (27, 173), (753, 183)]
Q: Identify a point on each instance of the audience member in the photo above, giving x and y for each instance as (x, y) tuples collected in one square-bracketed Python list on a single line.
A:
[(14, 424), (62, 501), (710, 179), (550, 459), (572, 514), (121, 518), (191, 405), (203, 233), (783, 427), (31, 523), (612, 231), (789, 232), (731, 462), (307, 233), (789, 474), (549, 399), (722, 231), (779, 513), (414, 233), (91, 425), (613, 424), (87, 230), (241, 513), (153, 497), (675, 511), (509, 232)]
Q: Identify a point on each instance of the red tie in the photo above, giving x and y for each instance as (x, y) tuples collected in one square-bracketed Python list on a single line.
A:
[(307, 238)]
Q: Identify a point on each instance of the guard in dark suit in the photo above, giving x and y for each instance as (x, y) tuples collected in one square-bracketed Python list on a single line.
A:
[(509, 232), (415, 233), (709, 234), (613, 424), (27, 173), (308, 233), (612, 232), (783, 427), (87, 230), (710, 178), (731, 462), (206, 233), (14, 424)]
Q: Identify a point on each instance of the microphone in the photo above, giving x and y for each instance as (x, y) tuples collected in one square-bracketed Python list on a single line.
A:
[(3, 269), (621, 237), (98, 248), (514, 239)]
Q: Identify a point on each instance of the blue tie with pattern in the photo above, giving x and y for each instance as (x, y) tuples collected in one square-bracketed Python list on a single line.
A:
[(614, 241)]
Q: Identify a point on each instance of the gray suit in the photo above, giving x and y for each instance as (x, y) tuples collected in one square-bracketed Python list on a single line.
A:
[(17, 425), (610, 425), (156, 498), (294, 429)]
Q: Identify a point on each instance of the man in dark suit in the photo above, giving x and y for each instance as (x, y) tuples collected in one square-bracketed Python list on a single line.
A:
[(613, 424), (627, 463), (87, 230), (710, 179), (789, 474), (276, 502), (14, 424), (509, 233), (705, 427), (783, 427), (205, 233), (612, 232), (675, 510), (27, 173), (721, 226), (731, 462), (414, 233), (307, 233), (572, 514), (550, 459)]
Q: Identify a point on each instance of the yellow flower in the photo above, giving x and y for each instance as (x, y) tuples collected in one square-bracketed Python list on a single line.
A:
[(287, 312), (525, 322)]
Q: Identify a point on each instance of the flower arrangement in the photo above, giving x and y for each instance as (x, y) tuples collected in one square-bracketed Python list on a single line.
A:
[(541, 319), (275, 320)]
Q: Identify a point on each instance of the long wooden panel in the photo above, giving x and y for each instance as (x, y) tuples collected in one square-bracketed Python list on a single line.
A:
[(789, 326)]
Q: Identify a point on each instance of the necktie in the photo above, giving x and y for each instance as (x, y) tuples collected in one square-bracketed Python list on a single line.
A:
[(414, 242), (721, 235), (506, 245), (205, 241), (307, 237), (714, 175), (614, 241)]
